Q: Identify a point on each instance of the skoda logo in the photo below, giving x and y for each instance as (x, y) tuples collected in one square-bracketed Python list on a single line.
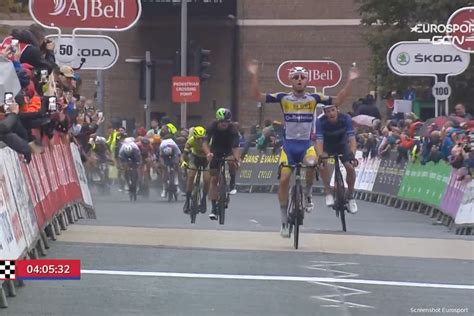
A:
[(403, 59)]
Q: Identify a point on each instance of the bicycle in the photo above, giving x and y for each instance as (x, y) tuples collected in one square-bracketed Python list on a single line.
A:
[(222, 189), (171, 187), (131, 175), (196, 195), (296, 209), (340, 198)]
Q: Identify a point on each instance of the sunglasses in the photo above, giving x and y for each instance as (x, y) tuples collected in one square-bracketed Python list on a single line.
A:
[(298, 77)]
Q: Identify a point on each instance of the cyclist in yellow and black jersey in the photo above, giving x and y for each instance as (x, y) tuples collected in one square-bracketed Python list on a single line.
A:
[(195, 157)]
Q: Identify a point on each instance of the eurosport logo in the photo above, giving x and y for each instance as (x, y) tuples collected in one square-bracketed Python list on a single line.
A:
[(298, 117), (457, 34)]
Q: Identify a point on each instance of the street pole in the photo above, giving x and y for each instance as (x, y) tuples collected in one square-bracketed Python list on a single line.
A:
[(184, 53), (147, 88), (100, 97)]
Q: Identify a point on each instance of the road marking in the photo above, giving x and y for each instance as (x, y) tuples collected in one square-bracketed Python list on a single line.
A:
[(271, 241), (277, 278), (340, 298), (343, 292)]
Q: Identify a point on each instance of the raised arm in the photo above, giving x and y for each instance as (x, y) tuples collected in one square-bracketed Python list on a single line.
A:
[(252, 67), (344, 93)]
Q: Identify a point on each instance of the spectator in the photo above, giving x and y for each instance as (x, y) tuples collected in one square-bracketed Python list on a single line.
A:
[(460, 112), (368, 108)]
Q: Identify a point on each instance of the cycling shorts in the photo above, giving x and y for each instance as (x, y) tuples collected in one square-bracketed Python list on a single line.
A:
[(338, 149), (296, 151), (196, 162)]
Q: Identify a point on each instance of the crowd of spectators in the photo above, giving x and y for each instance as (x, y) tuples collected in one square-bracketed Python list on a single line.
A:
[(47, 100), (444, 138)]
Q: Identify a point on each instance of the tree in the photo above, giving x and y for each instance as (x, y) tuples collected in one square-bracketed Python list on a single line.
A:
[(390, 22)]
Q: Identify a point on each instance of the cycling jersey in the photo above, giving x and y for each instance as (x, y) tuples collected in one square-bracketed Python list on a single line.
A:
[(134, 156), (195, 146), (334, 133), (222, 141), (298, 112), (171, 143)]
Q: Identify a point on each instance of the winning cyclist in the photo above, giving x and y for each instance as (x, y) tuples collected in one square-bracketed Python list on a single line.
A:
[(222, 142), (335, 136), (195, 157), (298, 108)]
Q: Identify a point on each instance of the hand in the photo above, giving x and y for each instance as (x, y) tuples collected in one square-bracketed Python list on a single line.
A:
[(14, 108), (209, 156), (252, 67), (354, 73), (7, 52)]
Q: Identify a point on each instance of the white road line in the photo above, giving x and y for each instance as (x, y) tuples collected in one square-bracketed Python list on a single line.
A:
[(278, 278)]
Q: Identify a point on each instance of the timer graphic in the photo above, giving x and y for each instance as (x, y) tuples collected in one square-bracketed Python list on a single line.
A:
[(52, 269)]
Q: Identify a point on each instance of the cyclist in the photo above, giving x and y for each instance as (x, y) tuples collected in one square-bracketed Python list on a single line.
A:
[(169, 155), (148, 158), (298, 108), (222, 141), (195, 157), (129, 156), (335, 136)]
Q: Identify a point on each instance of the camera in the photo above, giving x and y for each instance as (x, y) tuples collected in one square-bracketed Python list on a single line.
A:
[(100, 115), (8, 100)]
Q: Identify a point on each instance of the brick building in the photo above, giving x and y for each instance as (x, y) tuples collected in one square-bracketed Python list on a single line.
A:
[(270, 31)]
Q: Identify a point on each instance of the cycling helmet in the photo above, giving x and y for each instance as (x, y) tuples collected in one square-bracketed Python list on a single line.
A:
[(298, 71), (100, 140), (127, 149), (328, 106), (167, 150), (171, 128), (223, 114), (199, 132), (145, 141), (156, 139)]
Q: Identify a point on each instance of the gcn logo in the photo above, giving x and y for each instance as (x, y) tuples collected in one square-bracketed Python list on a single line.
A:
[(403, 59)]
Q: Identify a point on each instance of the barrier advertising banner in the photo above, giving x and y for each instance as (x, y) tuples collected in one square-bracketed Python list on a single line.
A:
[(15, 183), (453, 195), (465, 215), (390, 174), (259, 168), (81, 175)]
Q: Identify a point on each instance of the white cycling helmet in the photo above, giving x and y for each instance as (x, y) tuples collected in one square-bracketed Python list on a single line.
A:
[(129, 140), (167, 150), (298, 71), (127, 149), (100, 140)]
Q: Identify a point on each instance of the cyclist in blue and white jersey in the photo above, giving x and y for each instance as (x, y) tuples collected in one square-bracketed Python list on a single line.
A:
[(298, 109)]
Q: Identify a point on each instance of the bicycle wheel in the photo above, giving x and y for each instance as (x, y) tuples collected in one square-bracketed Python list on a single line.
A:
[(196, 198), (222, 196), (340, 197), (296, 214)]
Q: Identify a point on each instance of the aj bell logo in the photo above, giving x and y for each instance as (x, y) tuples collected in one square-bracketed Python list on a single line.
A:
[(90, 8)]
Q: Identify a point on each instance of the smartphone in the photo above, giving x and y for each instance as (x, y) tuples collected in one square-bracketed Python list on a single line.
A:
[(52, 104), (44, 75), (8, 100), (100, 115), (14, 45)]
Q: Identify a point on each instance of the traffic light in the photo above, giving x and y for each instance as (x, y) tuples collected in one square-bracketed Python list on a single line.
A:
[(202, 63)]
